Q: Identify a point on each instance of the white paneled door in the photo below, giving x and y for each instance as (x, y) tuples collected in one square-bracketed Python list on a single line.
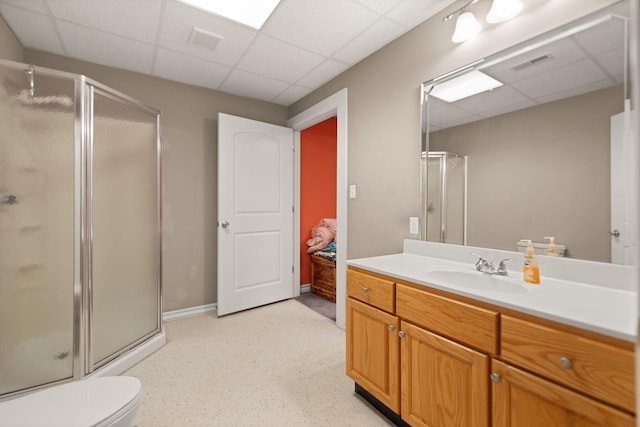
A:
[(255, 213)]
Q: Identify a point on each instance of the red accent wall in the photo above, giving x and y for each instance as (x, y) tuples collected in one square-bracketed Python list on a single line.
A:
[(318, 180)]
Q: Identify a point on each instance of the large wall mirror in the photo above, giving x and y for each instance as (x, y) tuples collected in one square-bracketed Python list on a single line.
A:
[(535, 142)]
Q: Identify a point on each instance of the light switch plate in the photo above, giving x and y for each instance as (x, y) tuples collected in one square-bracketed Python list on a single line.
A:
[(352, 191), (414, 225)]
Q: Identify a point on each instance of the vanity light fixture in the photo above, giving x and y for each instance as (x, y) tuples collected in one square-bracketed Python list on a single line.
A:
[(502, 10), (468, 26), (253, 13), (465, 85)]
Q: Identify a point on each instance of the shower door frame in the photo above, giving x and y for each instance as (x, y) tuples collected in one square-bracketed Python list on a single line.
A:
[(444, 156), (82, 365)]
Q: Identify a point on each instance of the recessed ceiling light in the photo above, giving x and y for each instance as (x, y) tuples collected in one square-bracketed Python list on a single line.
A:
[(468, 84), (253, 13)]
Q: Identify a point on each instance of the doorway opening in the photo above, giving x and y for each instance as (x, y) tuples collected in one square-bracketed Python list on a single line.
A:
[(334, 105)]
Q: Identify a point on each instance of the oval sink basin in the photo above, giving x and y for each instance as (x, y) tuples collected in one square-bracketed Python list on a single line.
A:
[(476, 280)]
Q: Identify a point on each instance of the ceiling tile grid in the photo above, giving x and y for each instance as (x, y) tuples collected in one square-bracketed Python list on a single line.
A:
[(303, 44), (33, 29), (137, 19)]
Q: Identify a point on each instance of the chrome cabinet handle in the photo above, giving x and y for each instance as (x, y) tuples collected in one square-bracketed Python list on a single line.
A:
[(565, 362), (401, 334), (225, 224), (496, 377), (365, 290), (391, 328)]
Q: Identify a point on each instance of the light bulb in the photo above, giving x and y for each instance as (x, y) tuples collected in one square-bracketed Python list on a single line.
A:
[(502, 10), (467, 26)]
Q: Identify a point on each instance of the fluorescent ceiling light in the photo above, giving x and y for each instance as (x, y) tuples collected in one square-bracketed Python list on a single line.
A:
[(468, 84), (253, 13)]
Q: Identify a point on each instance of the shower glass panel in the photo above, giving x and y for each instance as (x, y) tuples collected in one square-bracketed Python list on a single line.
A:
[(37, 232), (446, 197), (124, 184), (80, 228)]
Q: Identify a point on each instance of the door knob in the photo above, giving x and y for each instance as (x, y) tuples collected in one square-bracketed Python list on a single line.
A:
[(615, 233), (225, 224)]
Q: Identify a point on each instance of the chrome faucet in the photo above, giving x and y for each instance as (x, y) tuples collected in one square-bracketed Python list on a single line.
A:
[(485, 266)]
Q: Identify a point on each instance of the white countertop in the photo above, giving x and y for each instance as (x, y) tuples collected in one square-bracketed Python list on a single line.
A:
[(606, 310)]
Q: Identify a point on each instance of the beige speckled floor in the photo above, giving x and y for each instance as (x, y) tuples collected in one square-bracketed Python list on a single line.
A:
[(277, 365)]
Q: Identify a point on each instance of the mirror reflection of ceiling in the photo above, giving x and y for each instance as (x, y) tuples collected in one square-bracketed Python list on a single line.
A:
[(589, 60)]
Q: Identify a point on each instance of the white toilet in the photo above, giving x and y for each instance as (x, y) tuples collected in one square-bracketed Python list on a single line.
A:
[(104, 401)]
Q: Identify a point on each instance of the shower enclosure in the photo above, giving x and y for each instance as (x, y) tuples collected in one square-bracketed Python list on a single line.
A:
[(446, 197), (80, 242)]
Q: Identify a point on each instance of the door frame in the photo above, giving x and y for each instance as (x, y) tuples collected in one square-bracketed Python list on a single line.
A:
[(334, 105)]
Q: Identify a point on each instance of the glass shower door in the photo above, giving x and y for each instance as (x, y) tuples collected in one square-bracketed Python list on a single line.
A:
[(446, 198), (37, 153), (124, 209)]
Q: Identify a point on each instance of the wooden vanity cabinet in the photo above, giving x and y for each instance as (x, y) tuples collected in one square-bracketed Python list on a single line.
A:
[(442, 382), (373, 347), (521, 399), (440, 360)]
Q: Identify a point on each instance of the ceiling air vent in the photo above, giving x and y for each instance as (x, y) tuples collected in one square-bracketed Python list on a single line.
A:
[(529, 62), (205, 39)]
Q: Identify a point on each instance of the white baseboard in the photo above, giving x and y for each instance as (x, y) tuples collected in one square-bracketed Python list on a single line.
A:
[(168, 315), (132, 357), (305, 288)]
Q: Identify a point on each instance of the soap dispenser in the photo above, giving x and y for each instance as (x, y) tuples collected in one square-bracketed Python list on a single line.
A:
[(551, 251), (530, 268)]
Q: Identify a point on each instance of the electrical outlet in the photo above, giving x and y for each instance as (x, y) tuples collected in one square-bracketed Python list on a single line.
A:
[(414, 225)]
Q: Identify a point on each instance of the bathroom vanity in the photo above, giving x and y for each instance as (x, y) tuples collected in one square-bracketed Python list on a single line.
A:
[(434, 342)]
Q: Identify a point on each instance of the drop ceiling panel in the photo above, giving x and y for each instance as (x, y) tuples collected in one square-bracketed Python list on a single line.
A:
[(134, 19), (411, 12), (369, 41), (246, 84), (560, 53), (34, 30), (322, 73), (601, 38), (33, 5), (380, 6), (576, 90), (571, 76), (278, 60), (106, 49), (499, 98), (179, 21), (319, 26), (449, 116), (612, 62), (290, 95), (187, 69)]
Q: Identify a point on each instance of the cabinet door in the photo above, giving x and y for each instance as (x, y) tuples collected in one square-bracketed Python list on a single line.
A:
[(444, 384), (373, 352), (524, 400)]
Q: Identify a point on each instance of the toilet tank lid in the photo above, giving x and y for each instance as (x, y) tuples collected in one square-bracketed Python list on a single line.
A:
[(78, 403)]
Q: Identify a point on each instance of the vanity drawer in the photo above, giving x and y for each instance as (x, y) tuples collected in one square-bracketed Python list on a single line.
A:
[(474, 326), (373, 290), (600, 370)]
